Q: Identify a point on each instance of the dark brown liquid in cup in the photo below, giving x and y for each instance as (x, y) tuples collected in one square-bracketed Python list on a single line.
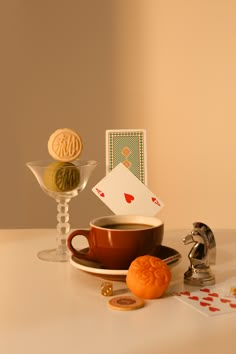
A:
[(127, 226)]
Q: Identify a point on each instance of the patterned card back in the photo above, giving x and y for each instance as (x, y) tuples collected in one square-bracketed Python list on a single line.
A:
[(129, 147)]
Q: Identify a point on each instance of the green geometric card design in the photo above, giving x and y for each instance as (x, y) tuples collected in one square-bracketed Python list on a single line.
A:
[(128, 148)]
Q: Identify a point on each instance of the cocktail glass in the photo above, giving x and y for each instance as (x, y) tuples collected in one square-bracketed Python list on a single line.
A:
[(61, 181)]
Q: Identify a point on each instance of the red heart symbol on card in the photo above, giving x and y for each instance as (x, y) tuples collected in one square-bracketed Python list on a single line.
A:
[(225, 300), (213, 309), (185, 293), (202, 303), (205, 290), (128, 197), (213, 294), (155, 201), (208, 298), (193, 298), (233, 306)]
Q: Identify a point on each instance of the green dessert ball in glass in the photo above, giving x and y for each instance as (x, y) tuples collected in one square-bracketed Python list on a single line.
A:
[(61, 177)]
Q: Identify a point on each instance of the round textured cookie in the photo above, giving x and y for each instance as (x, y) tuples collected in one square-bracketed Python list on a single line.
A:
[(61, 177), (65, 145)]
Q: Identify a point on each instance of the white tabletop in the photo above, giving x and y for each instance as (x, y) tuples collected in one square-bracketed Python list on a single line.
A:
[(56, 308)]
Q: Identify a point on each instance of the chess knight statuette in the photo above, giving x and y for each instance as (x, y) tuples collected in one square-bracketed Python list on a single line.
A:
[(202, 254)]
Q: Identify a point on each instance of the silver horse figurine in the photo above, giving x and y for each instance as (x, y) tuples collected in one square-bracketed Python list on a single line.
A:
[(202, 254)]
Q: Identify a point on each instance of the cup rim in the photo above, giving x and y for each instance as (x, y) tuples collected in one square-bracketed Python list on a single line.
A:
[(135, 219)]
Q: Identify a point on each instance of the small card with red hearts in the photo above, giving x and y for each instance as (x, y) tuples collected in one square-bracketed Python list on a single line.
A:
[(125, 194), (210, 301)]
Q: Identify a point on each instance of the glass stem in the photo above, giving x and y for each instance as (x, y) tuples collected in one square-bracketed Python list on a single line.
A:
[(63, 225)]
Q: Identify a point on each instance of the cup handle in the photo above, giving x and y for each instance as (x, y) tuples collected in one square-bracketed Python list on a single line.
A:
[(77, 233)]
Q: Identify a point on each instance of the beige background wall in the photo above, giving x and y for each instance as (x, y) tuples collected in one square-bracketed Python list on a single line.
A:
[(167, 66)]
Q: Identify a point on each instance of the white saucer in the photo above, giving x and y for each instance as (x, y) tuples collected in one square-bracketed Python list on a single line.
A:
[(167, 254)]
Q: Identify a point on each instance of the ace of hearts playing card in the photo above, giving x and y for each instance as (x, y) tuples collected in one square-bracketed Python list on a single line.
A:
[(125, 194)]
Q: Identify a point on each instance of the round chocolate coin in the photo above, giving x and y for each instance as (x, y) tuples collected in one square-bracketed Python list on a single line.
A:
[(126, 303)]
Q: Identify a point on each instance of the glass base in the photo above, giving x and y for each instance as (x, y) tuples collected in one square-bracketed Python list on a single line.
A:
[(53, 255)]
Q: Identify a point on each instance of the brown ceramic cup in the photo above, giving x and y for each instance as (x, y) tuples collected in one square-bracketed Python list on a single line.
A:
[(116, 240)]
